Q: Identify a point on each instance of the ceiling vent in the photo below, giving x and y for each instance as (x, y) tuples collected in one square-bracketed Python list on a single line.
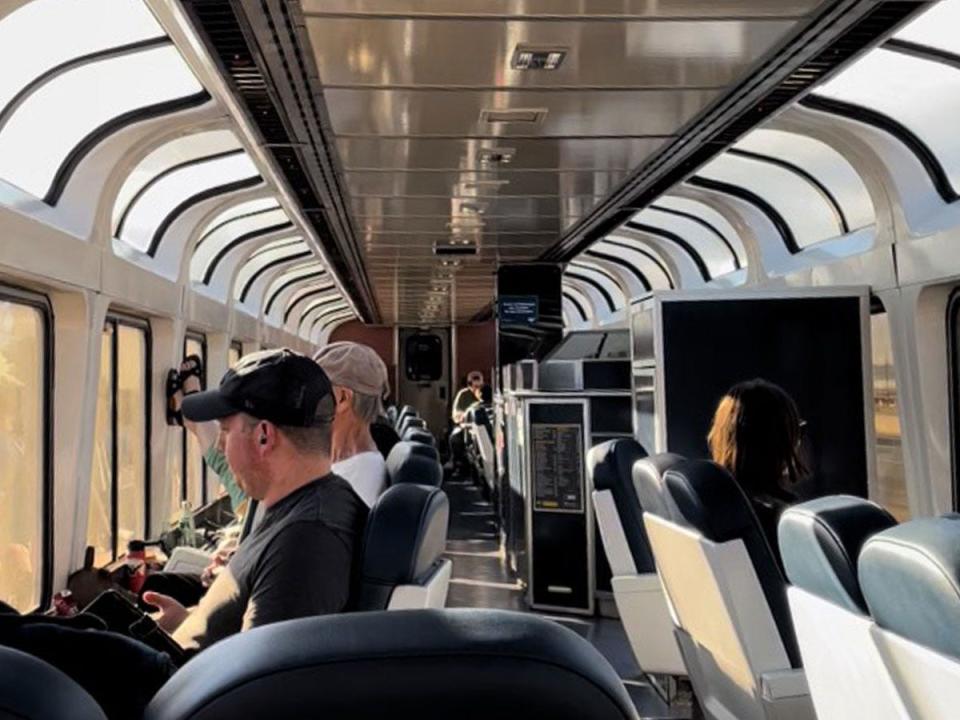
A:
[(491, 185), (527, 57), (529, 116), (496, 156), (473, 208)]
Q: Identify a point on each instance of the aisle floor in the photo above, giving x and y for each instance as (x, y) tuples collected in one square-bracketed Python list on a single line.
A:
[(482, 578)]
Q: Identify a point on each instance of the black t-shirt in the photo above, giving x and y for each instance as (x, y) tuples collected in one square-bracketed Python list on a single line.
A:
[(300, 561)]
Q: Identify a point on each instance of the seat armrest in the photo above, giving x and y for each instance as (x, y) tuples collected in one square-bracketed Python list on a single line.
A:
[(783, 684)]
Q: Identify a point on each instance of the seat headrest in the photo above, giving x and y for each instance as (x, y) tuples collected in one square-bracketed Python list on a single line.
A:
[(820, 542), (610, 466), (405, 536), (427, 664), (610, 463), (418, 436), (411, 423), (384, 436), (713, 504), (30, 689), (409, 463), (910, 578), (650, 487)]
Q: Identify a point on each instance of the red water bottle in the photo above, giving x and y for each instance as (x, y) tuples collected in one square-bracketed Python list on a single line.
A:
[(137, 562)]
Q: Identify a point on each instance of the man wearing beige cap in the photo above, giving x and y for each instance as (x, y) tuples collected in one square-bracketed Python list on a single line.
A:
[(359, 379)]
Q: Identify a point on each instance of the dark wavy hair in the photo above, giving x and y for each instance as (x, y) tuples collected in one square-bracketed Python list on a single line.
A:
[(756, 435)]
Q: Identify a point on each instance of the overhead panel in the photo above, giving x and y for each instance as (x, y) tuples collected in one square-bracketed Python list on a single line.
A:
[(443, 139)]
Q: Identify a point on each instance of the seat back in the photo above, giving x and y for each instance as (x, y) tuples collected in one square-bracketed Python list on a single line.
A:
[(384, 436), (418, 435), (429, 664), (610, 467), (711, 501), (910, 575), (820, 541), (410, 422), (650, 487), (409, 462), (405, 537), (30, 689), (637, 590), (723, 584)]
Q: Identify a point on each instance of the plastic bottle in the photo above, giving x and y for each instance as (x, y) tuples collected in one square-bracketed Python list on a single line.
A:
[(137, 561), (188, 532)]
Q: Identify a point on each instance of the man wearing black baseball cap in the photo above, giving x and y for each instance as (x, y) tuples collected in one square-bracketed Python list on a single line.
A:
[(275, 410)]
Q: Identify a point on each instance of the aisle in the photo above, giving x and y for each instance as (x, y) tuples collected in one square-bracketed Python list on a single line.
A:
[(482, 578)]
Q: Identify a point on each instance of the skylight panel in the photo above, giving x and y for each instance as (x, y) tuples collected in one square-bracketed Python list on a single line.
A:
[(234, 233)]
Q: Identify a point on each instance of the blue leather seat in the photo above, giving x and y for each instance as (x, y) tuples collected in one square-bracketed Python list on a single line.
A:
[(650, 488), (610, 465), (405, 538), (467, 664), (710, 501), (30, 689), (820, 542), (910, 578), (418, 435), (407, 463)]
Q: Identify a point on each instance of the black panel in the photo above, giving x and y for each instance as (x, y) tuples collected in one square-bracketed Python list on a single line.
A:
[(612, 415), (424, 357), (606, 375), (559, 539), (809, 346), (530, 340)]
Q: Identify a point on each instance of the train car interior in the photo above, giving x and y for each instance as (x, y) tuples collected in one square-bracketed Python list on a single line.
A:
[(569, 359)]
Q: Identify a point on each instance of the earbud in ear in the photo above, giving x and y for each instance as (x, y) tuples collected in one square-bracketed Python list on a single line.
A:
[(263, 439)]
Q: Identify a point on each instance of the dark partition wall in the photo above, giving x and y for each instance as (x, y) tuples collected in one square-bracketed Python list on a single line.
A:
[(810, 346), (529, 315)]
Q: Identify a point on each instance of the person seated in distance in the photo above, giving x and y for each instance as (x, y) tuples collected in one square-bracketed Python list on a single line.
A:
[(756, 435), (275, 412)]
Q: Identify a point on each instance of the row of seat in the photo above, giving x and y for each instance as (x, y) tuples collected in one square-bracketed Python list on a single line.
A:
[(414, 458), (690, 559), (478, 443)]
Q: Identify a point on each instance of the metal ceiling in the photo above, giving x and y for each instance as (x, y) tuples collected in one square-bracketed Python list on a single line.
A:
[(405, 84)]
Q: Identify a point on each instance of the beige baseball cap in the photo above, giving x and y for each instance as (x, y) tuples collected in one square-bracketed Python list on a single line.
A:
[(354, 366)]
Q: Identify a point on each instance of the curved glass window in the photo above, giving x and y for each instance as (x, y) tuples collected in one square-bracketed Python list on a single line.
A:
[(810, 218), (610, 290), (583, 302), (936, 27), (213, 247), (52, 121), (327, 322), (69, 30), (705, 216), (714, 250), (266, 258), (823, 168), (922, 95), (289, 280), (166, 159), (236, 212), (641, 256), (161, 198), (317, 292)]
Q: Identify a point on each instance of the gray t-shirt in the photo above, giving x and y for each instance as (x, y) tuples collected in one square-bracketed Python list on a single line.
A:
[(301, 560)]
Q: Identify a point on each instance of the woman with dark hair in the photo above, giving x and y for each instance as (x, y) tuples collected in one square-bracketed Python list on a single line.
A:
[(756, 436)]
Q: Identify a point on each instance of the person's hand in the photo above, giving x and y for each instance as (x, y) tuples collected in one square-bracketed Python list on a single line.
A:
[(171, 614), (219, 560)]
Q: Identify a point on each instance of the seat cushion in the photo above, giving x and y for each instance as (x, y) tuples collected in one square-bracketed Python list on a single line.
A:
[(406, 534), (650, 488), (820, 541), (409, 463), (467, 664), (712, 503), (910, 578), (610, 465)]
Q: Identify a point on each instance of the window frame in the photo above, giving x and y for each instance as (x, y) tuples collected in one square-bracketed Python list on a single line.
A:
[(953, 383), (40, 302), (118, 319)]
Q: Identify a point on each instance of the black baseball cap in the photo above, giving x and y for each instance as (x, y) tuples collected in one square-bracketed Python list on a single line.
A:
[(280, 386)]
